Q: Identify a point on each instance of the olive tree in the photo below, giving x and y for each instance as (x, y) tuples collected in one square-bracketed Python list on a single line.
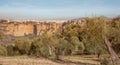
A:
[(93, 40), (22, 44)]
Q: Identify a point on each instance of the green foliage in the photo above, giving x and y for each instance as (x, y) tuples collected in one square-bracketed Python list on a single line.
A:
[(1, 35), (77, 44), (65, 47), (12, 50), (72, 30), (71, 38), (73, 33), (93, 40), (3, 50), (38, 48), (114, 33), (105, 61), (22, 44)]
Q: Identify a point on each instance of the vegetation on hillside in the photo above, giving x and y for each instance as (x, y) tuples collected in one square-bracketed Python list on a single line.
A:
[(71, 40)]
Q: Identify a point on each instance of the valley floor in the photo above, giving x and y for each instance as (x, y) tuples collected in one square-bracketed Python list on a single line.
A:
[(67, 60)]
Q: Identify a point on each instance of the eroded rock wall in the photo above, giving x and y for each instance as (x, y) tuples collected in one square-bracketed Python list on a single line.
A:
[(27, 28)]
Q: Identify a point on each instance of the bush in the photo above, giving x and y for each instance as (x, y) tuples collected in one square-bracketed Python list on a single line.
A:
[(22, 45), (3, 50), (65, 48), (105, 61), (38, 49), (12, 51)]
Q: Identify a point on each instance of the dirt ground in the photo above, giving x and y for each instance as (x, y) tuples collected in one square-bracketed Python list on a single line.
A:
[(66, 60)]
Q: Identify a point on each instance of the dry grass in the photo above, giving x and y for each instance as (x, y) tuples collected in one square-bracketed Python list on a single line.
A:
[(67, 60), (89, 59)]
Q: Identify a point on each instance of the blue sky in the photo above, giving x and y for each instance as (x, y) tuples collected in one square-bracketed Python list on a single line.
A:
[(58, 9)]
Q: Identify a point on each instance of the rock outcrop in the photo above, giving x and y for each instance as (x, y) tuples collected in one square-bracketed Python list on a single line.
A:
[(22, 28)]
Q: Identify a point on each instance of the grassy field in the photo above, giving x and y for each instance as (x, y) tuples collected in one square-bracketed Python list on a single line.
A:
[(65, 60)]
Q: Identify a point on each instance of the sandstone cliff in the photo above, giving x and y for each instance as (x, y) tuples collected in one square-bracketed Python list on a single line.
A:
[(29, 27)]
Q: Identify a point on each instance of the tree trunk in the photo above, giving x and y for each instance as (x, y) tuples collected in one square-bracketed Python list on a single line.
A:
[(56, 54), (113, 56), (50, 50)]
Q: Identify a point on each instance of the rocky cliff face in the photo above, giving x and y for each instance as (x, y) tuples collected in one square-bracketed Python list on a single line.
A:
[(23, 28), (27, 28)]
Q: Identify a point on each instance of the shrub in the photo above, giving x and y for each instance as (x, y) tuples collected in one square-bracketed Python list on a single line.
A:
[(3, 50), (22, 45), (12, 51), (105, 61), (38, 49), (65, 48)]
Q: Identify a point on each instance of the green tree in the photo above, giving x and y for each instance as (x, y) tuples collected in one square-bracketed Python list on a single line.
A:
[(72, 30), (78, 45), (93, 40), (3, 50), (73, 33), (46, 46), (12, 50), (65, 47), (38, 48), (22, 44), (112, 38), (97, 33), (114, 33)]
